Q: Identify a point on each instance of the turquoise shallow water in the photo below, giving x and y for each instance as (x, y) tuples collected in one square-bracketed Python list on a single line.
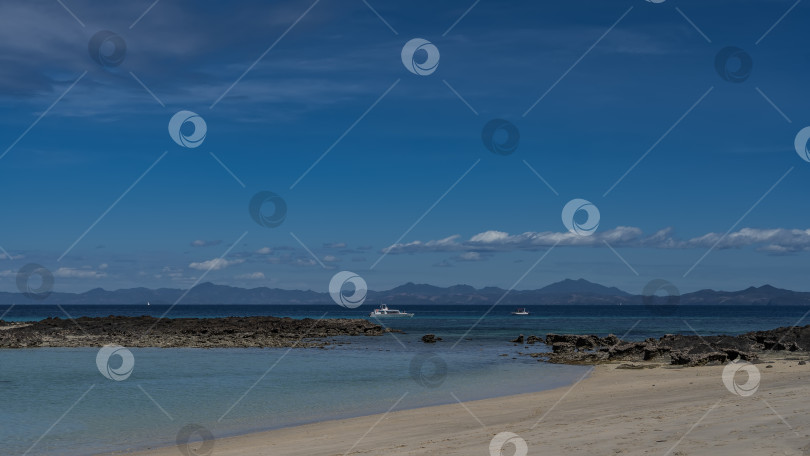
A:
[(200, 386), (233, 391)]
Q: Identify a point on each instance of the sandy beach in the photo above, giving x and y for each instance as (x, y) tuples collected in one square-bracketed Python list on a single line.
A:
[(659, 411)]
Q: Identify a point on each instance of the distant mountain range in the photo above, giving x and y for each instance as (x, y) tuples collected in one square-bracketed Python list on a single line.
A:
[(566, 292)]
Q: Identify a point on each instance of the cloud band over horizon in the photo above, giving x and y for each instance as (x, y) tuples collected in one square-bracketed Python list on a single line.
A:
[(773, 241)]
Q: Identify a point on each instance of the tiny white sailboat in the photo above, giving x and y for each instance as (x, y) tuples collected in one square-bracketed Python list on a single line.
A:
[(384, 311), (521, 311)]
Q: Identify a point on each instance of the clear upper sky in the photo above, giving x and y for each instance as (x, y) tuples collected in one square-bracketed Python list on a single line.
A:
[(98, 191)]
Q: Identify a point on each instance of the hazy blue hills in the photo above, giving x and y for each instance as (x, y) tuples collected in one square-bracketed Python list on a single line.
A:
[(581, 286), (566, 292)]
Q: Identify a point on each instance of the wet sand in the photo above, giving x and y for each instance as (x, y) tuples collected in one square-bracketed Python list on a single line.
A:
[(661, 411)]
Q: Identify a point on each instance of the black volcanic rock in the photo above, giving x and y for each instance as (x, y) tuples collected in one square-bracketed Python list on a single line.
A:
[(792, 339), (181, 332), (582, 342), (688, 350)]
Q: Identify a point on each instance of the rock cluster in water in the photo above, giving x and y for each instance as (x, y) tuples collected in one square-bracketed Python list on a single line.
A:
[(145, 331), (687, 350)]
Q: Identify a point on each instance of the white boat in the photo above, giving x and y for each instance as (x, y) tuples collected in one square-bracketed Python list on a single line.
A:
[(521, 311), (384, 311)]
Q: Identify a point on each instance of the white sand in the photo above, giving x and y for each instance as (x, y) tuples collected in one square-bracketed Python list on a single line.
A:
[(661, 411)]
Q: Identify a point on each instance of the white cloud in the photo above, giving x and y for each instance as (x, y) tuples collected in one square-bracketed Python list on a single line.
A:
[(441, 245), (251, 276), (470, 256), (776, 241), (215, 264), (264, 251), (73, 273), (331, 259), (490, 236), (202, 243)]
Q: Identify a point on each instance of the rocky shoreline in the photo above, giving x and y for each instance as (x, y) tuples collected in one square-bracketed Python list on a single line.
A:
[(145, 331), (677, 349)]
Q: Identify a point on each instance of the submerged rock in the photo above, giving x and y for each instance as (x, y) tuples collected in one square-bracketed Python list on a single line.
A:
[(430, 338)]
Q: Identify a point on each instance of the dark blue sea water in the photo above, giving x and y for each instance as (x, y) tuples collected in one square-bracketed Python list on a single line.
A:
[(454, 320), (233, 391)]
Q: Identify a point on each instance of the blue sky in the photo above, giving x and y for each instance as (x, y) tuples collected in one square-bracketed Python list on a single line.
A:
[(649, 65)]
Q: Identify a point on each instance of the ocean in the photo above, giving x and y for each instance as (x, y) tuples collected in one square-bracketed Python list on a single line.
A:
[(56, 400)]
